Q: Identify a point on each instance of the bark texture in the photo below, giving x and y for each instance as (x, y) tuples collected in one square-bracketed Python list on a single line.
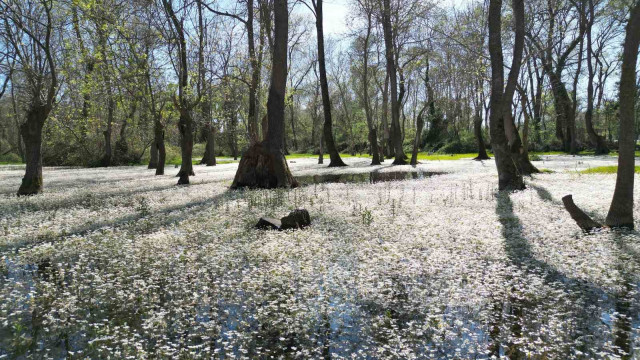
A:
[(209, 157), (621, 210), (583, 220), (396, 134), (264, 164), (334, 155), (31, 132), (504, 137)]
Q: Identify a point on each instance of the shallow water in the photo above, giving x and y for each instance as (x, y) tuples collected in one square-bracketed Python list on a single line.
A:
[(370, 177), (442, 268)]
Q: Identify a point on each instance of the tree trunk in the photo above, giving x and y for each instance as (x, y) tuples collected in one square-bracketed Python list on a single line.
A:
[(108, 150), (185, 126), (373, 136), (293, 125), (153, 156), (31, 132), (563, 108), (596, 140), (264, 164), (209, 157), (321, 150), (393, 83), (252, 116), (385, 118), (159, 143), (122, 148), (375, 151), (482, 148), (416, 141), (501, 122), (334, 155), (621, 210)]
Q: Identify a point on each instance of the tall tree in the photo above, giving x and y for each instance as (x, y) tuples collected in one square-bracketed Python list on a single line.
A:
[(555, 55), (255, 60), (391, 57), (29, 31), (263, 165), (504, 137), (334, 155), (366, 7), (183, 103), (597, 140), (621, 210)]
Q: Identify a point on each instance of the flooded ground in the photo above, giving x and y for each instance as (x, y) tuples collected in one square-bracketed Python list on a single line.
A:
[(370, 177), (398, 263)]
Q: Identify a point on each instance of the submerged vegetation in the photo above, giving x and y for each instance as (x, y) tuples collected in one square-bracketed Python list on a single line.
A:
[(121, 263), (431, 157)]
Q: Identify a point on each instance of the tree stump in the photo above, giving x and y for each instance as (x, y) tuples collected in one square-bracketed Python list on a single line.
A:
[(297, 219), (583, 220)]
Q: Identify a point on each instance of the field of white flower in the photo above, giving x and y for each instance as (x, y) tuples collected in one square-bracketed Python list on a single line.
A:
[(120, 263)]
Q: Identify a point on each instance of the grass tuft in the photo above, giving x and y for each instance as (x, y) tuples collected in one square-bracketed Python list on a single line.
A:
[(605, 170)]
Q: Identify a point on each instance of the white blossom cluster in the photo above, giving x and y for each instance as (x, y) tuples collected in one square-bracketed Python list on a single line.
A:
[(119, 263)]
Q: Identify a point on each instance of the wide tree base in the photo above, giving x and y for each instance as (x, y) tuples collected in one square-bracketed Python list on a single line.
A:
[(399, 161), (261, 167), (184, 177), (482, 157), (526, 167), (30, 187), (337, 163)]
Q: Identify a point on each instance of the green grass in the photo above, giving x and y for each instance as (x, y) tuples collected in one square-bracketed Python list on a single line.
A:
[(178, 161), (436, 156), (326, 156), (605, 170), (11, 163), (421, 156)]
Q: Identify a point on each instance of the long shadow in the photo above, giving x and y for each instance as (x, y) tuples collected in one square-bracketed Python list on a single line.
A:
[(153, 222), (520, 253), (95, 199), (626, 302), (623, 306), (545, 195)]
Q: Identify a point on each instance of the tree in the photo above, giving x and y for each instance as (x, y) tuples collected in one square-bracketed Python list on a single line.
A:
[(555, 55), (263, 165), (621, 210), (596, 140), (367, 8), (255, 60), (183, 103), (334, 155), (504, 137), (390, 56), (29, 31)]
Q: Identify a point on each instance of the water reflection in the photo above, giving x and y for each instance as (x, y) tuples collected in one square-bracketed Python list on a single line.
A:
[(370, 177)]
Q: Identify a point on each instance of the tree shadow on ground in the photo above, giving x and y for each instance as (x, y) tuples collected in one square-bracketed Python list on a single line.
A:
[(625, 303), (627, 300), (154, 220), (545, 195), (95, 199), (520, 253)]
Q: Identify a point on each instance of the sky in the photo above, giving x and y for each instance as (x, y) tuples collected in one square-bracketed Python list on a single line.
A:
[(335, 14)]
